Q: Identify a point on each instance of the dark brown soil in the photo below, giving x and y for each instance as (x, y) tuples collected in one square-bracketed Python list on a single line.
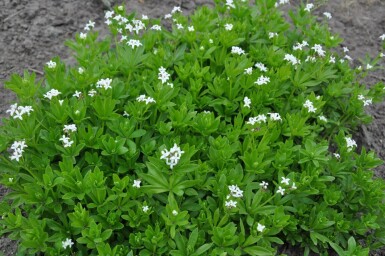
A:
[(33, 31)]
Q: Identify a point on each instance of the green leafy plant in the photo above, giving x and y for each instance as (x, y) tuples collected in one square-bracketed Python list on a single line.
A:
[(227, 134)]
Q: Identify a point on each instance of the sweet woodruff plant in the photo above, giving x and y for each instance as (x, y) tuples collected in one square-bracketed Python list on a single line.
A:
[(226, 132)]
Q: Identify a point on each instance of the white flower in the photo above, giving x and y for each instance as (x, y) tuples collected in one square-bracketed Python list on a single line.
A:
[(299, 46), (332, 59), (275, 116), (230, 204), (281, 2), (92, 93), (247, 102), (17, 112), (51, 64), (61, 102), (382, 55), (67, 243), (235, 191), (109, 14), (336, 155), (10, 180), (293, 186), (368, 66), (77, 94), (285, 180), (292, 59), (143, 98), (345, 49), (82, 35), (211, 41), (145, 208), (309, 7), (168, 16), (80, 70), (51, 93), (172, 156), (318, 49), (134, 43), (257, 119), (260, 66), (323, 118), (350, 143), (191, 28), (228, 27), (230, 4), (126, 114), (249, 71), (89, 25), (144, 17), (310, 107), (264, 184), (163, 75), (18, 149), (69, 128), (262, 80), (176, 9), (66, 141), (237, 50), (382, 37), (174, 212), (260, 227), (105, 83), (136, 183), (328, 15), (281, 190), (156, 27), (179, 26), (272, 34)]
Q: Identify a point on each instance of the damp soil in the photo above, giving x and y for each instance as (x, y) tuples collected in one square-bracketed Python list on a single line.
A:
[(34, 31)]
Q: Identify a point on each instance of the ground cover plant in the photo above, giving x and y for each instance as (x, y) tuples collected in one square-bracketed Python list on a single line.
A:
[(228, 133)]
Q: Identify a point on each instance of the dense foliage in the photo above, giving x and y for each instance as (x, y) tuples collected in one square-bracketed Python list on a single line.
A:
[(229, 132)]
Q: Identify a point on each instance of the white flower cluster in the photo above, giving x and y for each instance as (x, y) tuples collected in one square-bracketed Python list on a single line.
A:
[(67, 142), (366, 101), (51, 64), (285, 181), (18, 149), (51, 93), (328, 15), (16, 111), (292, 59), (228, 27), (156, 27), (275, 116), (310, 107), (323, 118), (350, 143), (235, 192), (299, 46), (134, 43), (237, 50), (230, 4), (262, 80), (257, 119), (163, 75), (90, 25), (272, 35), (261, 66), (249, 71), (246, 102), (309, 7), (69, 128), (172, 156), (67, 243), (263, 184), (318, 49), (143, 98), (104, 83), (281, 2)]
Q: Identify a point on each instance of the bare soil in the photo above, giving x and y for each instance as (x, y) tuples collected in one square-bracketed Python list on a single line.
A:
[(33, 31)]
